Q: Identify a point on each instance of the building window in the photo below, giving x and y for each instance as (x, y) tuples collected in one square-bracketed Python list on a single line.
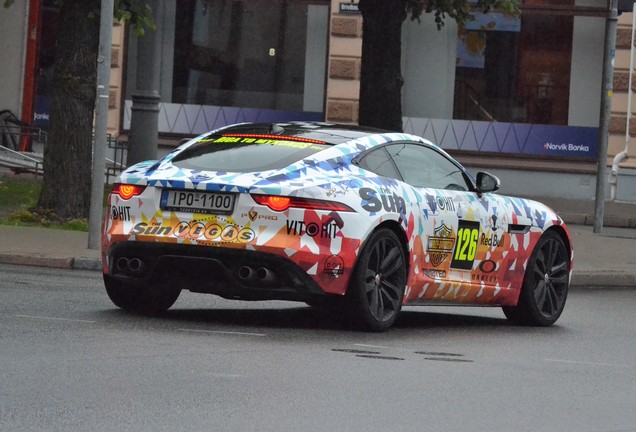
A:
[(244, 53), (515, 70)]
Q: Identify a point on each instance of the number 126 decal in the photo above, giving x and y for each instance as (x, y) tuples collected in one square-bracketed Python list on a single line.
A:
[(466, 245)]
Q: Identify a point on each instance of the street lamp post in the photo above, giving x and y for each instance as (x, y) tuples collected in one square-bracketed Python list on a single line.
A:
[(606, 106), (101, 123)]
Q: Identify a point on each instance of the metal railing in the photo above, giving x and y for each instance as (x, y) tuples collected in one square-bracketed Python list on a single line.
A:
[(13, 138), (117, 164)]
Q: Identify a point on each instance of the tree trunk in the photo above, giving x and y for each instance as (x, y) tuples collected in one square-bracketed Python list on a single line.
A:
[(66, 186), (381, 77)]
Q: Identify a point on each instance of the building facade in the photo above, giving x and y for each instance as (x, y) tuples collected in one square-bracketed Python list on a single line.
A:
[(519, 96)]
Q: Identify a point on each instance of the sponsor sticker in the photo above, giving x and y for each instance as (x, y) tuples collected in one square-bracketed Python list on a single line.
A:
[(334, 265), (466, 245), (120, 213), (313, 229), (256, 140), (373, 201), (196, 230), (440, 244), (435, 273)]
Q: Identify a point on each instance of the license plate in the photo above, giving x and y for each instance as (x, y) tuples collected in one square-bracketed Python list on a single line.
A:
[(197, 201)]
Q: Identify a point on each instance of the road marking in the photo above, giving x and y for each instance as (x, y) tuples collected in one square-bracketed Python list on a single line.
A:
[(586, 363), (379, 357), (53, 318), (377, 347), (354, 351), (454, 359), (224, 332), (435, 353), (227, 375), (384, 347)]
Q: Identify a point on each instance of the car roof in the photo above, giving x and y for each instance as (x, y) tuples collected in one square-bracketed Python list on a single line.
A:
[(329, 133)]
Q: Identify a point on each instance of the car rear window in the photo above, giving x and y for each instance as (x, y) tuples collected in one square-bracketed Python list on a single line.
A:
[(246, 153)]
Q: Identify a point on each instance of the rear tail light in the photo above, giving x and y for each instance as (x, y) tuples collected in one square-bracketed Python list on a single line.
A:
[(282, 203), (127, 191)]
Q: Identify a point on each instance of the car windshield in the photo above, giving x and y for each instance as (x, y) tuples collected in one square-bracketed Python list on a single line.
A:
[(245, 153)]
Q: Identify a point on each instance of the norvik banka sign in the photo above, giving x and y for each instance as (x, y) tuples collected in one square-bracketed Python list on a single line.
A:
[(507, 138)]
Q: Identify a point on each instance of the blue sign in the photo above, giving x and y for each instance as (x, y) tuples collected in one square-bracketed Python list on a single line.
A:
[(508, 138), (41, 112)]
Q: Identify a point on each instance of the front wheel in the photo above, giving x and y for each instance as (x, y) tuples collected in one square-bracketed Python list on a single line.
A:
[(141, 298), (545, 284), (376, 289)]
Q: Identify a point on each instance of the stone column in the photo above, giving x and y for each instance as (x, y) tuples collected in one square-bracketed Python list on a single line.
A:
[(144, 119)]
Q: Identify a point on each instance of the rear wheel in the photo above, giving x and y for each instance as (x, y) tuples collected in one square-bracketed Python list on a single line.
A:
[(376, 289), (143, 298), (545, 285)]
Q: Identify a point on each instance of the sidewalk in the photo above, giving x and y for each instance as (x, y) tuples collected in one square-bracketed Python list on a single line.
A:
[(605, 260)]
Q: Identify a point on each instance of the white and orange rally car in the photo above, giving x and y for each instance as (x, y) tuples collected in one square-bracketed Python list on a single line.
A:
[(361, 219)]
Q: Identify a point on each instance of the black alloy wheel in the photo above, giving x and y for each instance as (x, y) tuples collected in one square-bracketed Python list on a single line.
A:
[(545, 285), (141, 298), (376, 289)]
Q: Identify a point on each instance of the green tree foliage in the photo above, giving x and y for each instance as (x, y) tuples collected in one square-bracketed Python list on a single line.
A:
[(66, 182), (381, 77)]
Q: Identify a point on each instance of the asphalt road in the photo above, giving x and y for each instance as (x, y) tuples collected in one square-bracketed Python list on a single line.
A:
[(69, 361)]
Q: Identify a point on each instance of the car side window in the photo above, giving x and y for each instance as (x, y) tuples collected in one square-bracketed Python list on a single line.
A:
[(379, 162), (423, 166)]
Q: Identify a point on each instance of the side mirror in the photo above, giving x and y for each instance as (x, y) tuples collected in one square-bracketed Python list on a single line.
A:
[(487, 182)]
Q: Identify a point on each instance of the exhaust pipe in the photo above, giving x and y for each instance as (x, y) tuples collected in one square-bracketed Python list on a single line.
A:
[(266, 276), (136, 266), (130, 266), (122, 264), (247, 274)]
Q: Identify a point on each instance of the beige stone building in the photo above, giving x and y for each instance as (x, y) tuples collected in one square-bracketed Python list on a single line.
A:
[(537, 79)]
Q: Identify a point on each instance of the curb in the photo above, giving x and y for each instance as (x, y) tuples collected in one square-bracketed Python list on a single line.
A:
[(608, 221), (51, 261), (580, 280), (603, 280), (94, 264)]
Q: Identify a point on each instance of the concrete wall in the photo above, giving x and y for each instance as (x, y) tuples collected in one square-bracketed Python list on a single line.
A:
[(588, 44), (559, 184), (315, 55), (13, 22), (428, 66), (550, 184)]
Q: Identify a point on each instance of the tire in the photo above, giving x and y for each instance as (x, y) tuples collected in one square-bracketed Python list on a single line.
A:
[(376, 289), (140, 298), (545, 284)]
